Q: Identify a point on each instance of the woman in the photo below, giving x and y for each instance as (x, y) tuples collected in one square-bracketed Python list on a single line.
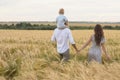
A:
[(98, 40)]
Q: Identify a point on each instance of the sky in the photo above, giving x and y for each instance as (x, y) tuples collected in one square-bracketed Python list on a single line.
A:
[(47, 10)]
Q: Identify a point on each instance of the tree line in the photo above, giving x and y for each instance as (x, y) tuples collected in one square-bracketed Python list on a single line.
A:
[(29, 26)]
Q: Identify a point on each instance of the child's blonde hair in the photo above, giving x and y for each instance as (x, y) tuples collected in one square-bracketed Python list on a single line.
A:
[(61, 11)]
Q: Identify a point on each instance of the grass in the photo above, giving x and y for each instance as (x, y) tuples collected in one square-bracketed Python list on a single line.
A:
[(29, 55)]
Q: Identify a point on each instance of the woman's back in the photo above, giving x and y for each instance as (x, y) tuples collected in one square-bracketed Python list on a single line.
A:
[(94, 42), (95, 50)]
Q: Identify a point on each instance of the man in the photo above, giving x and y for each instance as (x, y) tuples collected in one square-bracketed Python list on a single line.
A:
[(63, 36)]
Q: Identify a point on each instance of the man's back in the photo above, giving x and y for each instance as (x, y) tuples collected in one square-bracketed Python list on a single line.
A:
[(62, 36)]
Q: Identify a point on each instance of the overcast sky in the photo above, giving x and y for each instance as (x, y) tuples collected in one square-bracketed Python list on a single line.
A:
[(47, 10)]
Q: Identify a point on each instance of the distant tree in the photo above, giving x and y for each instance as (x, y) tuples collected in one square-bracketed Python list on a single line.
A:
[(107, 27), (23, 25), (117, 27)]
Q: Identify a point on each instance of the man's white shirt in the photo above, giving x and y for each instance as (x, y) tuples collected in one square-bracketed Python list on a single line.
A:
[(62, 37)]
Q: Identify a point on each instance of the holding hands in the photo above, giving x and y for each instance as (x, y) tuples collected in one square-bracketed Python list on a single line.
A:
[(78, 51)]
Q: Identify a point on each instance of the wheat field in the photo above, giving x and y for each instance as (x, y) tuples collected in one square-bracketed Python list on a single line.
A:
[(30, 55)]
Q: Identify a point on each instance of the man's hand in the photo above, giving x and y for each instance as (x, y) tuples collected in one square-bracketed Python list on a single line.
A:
[(108, 57), (77, 51), (54, 44), (74, 46)]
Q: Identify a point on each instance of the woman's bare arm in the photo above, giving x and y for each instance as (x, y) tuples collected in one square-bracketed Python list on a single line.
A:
[(86, 44), (105, 51)]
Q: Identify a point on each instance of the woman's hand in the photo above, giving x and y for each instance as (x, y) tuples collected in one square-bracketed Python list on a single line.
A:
[(78, 51), (108, 57)]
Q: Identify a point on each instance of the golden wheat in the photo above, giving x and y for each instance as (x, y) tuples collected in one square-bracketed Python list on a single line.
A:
[(29, 55)]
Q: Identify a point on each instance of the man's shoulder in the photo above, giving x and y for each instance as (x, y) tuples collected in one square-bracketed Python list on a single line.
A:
[(55, 29), (68, 29)]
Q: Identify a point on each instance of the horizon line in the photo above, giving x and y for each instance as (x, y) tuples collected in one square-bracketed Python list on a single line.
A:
[(69, 21)]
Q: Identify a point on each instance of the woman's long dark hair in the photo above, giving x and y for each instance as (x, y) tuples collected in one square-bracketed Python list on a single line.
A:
[(99, 34)]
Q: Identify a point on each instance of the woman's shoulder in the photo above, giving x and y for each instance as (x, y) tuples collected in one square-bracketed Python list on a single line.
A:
[(93, 37), (103, 38)]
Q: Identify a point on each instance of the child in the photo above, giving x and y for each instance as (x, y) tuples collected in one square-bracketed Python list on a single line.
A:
[(61, 20), (98, 41)]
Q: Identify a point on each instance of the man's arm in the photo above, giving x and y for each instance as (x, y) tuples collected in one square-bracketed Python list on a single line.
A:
[(72, 41), (74, 46), (53, 39)]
